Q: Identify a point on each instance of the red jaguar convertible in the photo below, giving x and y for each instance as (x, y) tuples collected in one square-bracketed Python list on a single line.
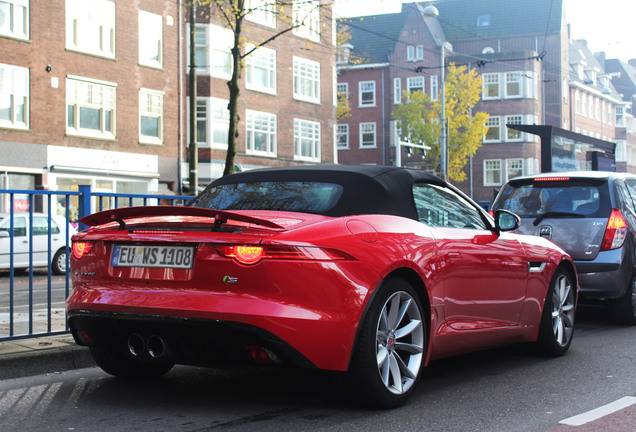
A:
[(372, 271)]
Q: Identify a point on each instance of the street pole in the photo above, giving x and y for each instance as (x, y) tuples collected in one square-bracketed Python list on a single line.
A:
[(193, 151), (442, 138)]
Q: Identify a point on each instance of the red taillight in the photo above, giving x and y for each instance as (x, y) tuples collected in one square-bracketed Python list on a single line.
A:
[(81, 248), (616, 231), (551, 179), (252, 254)]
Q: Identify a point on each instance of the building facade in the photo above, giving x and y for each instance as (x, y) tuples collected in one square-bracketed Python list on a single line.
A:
[(287, 104), (89, 95)]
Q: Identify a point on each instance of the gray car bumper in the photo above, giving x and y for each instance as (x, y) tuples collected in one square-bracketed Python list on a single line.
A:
[(606, 277)]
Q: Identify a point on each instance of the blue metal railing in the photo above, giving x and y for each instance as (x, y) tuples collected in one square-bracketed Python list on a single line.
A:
[(52, 321)]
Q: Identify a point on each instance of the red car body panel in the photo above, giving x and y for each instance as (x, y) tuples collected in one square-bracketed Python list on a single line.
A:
[(477, 284)]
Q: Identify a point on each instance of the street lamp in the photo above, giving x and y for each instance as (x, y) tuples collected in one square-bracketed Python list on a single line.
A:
[(431, 11)]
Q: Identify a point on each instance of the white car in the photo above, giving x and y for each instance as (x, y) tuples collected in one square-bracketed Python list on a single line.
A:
[(40, 241)]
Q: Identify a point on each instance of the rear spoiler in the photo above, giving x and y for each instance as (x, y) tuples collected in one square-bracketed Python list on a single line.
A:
[(120, 215)]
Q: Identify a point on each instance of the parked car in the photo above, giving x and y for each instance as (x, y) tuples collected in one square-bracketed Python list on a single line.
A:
[(39, 239), (373, 271), (592, 215)]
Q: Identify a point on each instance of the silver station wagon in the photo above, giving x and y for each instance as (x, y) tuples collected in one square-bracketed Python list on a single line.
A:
[(592, 216)]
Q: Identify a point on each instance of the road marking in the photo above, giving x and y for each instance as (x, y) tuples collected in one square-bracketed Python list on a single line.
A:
[(599, 412)]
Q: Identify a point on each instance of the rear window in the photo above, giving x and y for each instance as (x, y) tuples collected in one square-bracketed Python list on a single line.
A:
[(303, 197), (537, 198)]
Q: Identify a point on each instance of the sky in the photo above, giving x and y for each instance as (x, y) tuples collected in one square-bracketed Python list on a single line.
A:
[(607, 25)]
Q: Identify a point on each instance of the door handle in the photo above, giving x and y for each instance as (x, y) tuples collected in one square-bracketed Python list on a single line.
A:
[(454, 255)]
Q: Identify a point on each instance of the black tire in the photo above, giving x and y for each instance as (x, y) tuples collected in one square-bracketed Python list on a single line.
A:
[(625, 307), (120, 364), (387, 362), (58, 265), (557, 320)]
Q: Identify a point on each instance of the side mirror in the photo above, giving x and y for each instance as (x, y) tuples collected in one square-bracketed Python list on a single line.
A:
[(506, 220)]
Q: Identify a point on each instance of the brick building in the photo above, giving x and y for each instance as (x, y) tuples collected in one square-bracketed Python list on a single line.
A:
[(84, 99), (287, 105)]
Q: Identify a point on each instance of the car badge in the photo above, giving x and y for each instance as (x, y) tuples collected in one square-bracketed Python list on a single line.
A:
[(545, 232), (229, 280)]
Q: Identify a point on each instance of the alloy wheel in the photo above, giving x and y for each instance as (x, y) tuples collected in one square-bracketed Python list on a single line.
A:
[(562, 310)]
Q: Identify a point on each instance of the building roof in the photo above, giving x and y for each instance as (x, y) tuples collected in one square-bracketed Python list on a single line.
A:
[(592, 69), (625, 83)]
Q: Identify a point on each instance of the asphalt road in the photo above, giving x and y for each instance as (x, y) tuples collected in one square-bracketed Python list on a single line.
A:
[(506, 390)]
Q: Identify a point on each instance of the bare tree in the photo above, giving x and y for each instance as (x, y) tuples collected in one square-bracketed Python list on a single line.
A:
[(232, 14)]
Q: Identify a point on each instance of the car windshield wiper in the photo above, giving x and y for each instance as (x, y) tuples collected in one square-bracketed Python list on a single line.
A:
[(556, 215)]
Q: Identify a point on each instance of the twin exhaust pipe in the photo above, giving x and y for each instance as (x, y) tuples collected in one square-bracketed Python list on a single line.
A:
[(154, 346)]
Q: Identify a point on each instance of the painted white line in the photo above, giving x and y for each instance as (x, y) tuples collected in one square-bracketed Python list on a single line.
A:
[(599, 412)]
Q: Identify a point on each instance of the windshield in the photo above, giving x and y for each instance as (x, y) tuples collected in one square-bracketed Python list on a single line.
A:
[(536, 199), (305, 197)]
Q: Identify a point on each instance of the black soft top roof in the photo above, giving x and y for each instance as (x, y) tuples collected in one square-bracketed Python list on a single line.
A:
[(367, 189)]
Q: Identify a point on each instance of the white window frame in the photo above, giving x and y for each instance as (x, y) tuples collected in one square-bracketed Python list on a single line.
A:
[(621, 154), (397, 91), (150, 40), (217, 118), (491, 80), (492, 166), (263, 59), (306, 16), (343, 89), (257, 122), (201, 42), (220, 45), (419, 53), (342, 130), (584, 105), (514, 164), (91, 27), (151, 106), (94, 95), (493, 121), (306, 80), (366, 88), (15, 96), (513, 119), (410, 53), (434, 88), (514, 80), (261, 12), (15, 19), (306, 133), (367, 128), (410, 86)]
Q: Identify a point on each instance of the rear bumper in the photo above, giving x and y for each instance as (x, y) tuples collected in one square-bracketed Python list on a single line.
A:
[(195, 342), (606, 277)]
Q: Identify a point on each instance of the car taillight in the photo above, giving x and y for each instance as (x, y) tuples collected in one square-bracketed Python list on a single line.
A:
[(616, 231), (252, 254), (80, 249)]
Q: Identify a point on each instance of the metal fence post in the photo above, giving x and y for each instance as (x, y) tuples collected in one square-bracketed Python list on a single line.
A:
[(84, 204)]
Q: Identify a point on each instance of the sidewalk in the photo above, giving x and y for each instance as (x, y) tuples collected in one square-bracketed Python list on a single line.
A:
[(41, 355)]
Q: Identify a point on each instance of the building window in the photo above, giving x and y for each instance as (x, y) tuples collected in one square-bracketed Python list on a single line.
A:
[(150, 116), (306, 19), (494, 129), (397, 90), (14, 97), (261, 133), (620, 116), (513, 134), (306, 80), (366, 93), (609, 114), (513, 85), (492, 172), (410, 53), (220, 53), (150, 39), (90, 27), (621, 155), (342, 90), (213, 122), (419, 52), (367, 135), (14, 18), (90, 108), (577, 102), (483, 21), (597, 109), (261, 12), (584, 105), (434, 88), (261, 70), (306, 140), (491, 85), (414, 84), (514, 168), (342, 136), (202, 122), (202, 59)]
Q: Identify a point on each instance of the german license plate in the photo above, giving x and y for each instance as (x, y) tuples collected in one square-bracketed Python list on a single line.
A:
[(152, 256)]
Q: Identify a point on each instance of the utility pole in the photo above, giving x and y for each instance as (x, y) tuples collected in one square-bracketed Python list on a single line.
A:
[(193, 151)]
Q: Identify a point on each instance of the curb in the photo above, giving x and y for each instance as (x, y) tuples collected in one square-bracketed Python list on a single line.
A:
[(24, 364)]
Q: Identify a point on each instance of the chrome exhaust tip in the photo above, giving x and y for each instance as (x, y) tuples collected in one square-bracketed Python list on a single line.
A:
[(156, 346), (136, 345)]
